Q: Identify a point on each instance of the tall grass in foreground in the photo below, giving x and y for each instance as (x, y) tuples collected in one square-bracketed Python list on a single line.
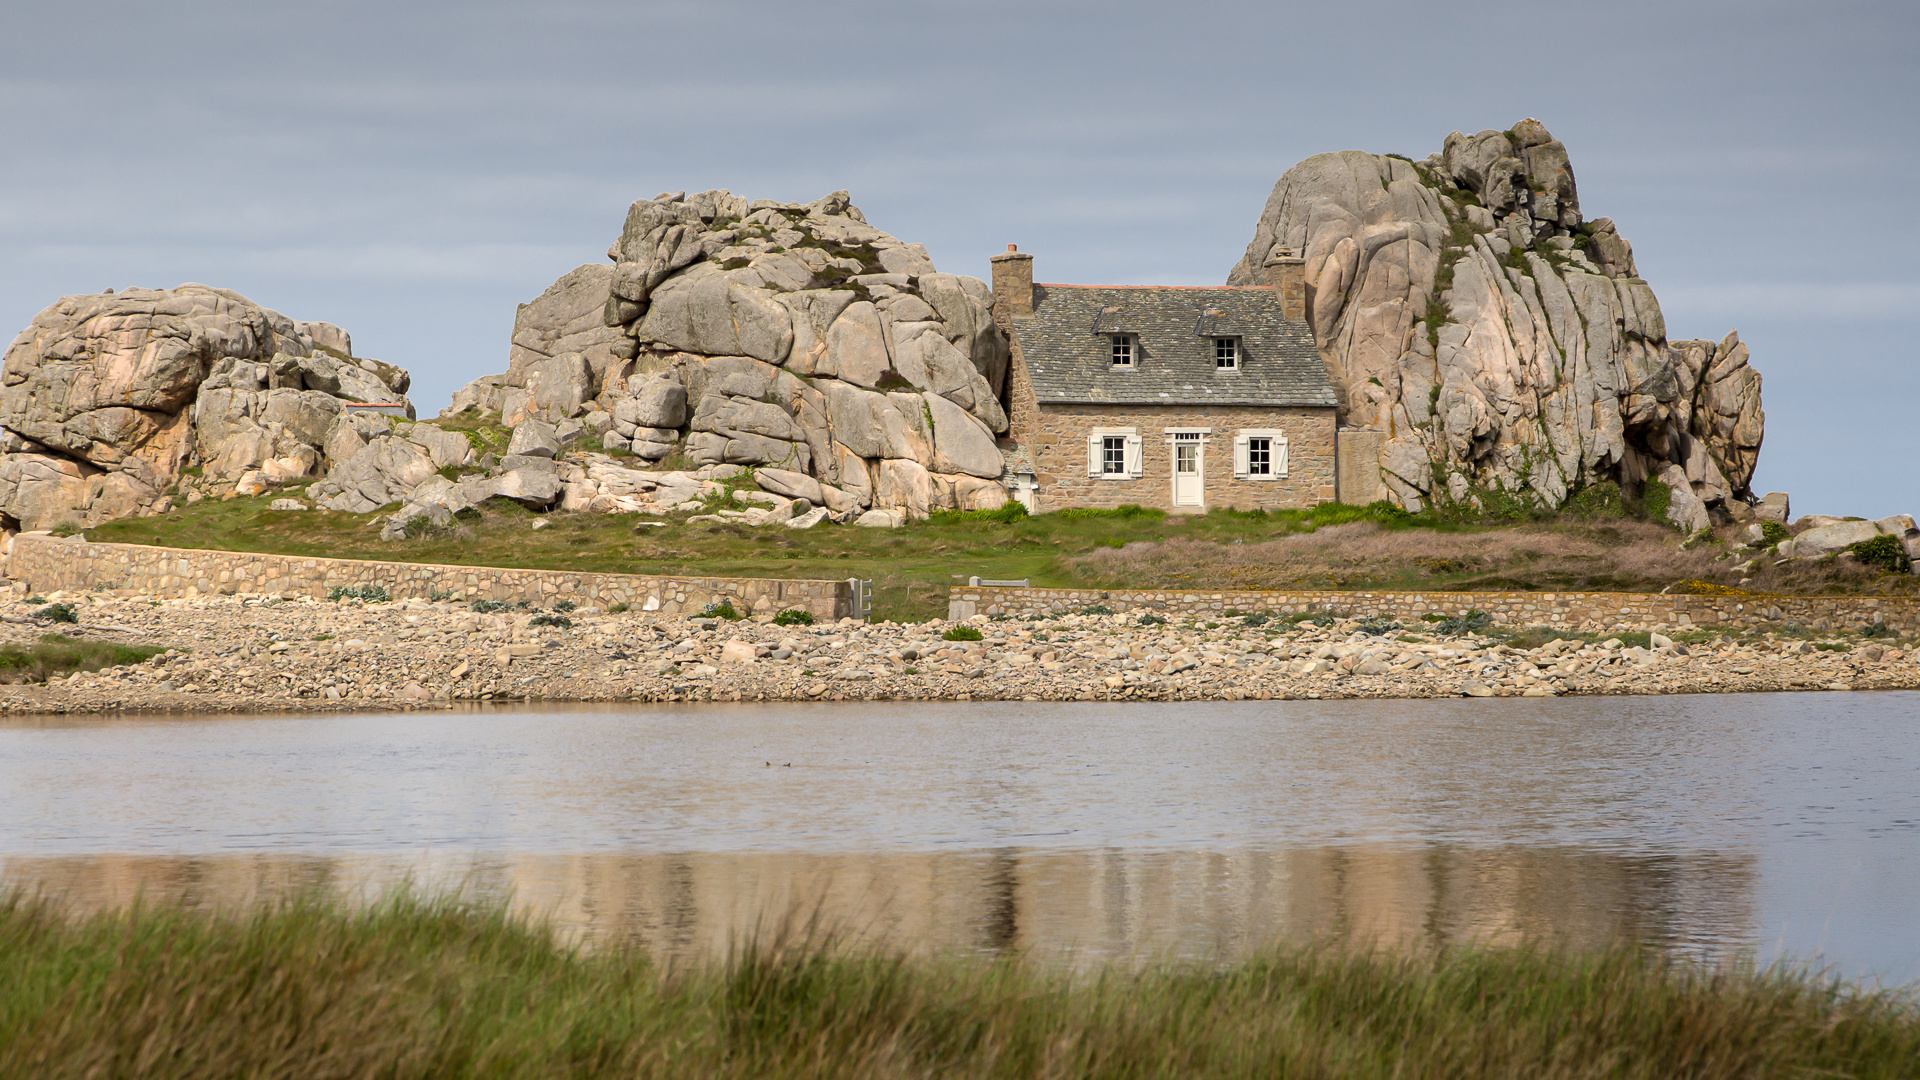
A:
[(436, 988)]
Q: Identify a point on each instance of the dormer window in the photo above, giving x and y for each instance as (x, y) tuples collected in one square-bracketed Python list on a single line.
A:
[(1124, 348), (1226, 354)]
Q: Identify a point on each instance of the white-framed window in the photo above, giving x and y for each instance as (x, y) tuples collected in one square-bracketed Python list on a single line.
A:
[(1113, 454), (1226, 353), (1260, 454), (1125, 347)]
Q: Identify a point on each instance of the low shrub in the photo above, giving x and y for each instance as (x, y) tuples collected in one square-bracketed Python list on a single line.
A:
[(57, 654), (1692, 587), (1005, 515), (1123, 512), (564, 605), (961, 633), (616, 607), (1470, 622), (1772, 533), (1655, 499), (59, 613), (369, 593), (793, 617), (1150, 620), (1601, 500), (1874, 630), (1256, 618), (724, 609), (559, 621), (1096, 609), (1533, 637), (1886, 552), (1378, 626), (489, 607)]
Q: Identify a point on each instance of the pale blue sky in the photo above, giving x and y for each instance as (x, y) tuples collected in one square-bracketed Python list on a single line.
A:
[(413, 171)]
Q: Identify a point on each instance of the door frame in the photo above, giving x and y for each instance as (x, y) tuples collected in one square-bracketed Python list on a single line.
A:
[(1198, 437)]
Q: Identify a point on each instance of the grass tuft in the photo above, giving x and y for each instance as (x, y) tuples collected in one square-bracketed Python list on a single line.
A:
[(428, 987), (57, 654)]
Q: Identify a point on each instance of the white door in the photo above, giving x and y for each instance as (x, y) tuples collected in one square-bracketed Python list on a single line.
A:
[(1189, 477)]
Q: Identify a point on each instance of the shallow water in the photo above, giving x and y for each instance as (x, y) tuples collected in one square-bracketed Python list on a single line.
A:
[(1705, 825)]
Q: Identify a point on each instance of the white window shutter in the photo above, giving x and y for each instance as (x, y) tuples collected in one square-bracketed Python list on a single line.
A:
[(1240, 456), (1279, 445), (1093, 455), (1134, 469)]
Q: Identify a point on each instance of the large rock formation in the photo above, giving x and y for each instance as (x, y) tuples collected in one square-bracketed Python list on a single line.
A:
[(780, 334), (1498, 340), (112, 402)]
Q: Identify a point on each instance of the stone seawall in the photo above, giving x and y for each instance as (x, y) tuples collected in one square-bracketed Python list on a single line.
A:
[(43, 563), (1595, 611)]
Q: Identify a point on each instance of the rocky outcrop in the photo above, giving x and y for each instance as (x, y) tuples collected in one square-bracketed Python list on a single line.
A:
[(1817, 535), (1498, 340), (788, 335), (115, 404)]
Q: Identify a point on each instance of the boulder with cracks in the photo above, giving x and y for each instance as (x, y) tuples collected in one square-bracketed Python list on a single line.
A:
[(125, 403), (1502, 344), (790, 335)]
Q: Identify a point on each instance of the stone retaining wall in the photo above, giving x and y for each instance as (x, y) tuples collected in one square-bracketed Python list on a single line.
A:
[(43, 563), (1575, 611)]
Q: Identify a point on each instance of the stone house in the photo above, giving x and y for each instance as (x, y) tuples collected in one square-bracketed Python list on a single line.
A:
[(1175, 397)]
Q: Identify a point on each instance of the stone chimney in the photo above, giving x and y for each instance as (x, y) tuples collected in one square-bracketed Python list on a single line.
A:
[(1287, 276), (1012, 285)]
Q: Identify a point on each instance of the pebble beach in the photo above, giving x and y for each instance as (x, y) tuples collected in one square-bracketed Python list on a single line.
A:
[(272, 654)]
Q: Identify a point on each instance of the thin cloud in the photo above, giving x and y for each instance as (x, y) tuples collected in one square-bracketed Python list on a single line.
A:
[(1796, 299)]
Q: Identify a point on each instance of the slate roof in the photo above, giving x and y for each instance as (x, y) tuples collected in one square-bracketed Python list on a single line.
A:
[(1067, 346)]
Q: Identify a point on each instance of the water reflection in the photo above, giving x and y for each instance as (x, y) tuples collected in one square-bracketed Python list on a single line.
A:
[(1089, 904), (1779, 823)]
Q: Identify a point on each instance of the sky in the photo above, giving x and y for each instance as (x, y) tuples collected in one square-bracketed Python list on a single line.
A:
[(413, 171)]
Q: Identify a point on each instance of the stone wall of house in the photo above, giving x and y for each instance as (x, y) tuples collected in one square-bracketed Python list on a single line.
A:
[(1601, 611), (1023, 408), (1059, 448), (42, 563), (1360, 466)]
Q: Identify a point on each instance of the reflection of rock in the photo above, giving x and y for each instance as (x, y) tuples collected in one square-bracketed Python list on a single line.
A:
[(1097, 906), (128, 392), (795, 336), (1467, 311)]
